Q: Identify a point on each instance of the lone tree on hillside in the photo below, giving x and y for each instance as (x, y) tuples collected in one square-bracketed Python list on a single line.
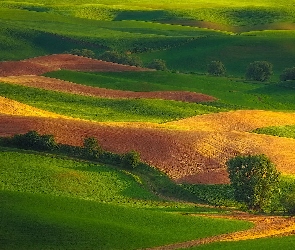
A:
[(254, 179), (259, 71), (216, 68)]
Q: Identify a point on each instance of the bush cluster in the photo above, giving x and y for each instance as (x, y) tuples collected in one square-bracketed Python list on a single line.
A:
[(121, 57), (81, 52)]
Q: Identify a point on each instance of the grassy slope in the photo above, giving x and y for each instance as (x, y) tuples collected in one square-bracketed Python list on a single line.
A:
[(44, 204), (99, 109), (184, 48), (231, 92)]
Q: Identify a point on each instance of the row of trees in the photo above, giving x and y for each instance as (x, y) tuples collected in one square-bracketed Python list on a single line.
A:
[(256, 71)]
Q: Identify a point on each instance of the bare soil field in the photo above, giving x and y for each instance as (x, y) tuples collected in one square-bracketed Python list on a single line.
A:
[(69, 87), (43, 64), (194, 153)]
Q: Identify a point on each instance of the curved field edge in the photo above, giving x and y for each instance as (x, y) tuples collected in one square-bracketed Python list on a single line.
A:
[(103, 109)]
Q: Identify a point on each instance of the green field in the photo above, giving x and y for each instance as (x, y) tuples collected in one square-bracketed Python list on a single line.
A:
[(232, 93), (29, 30), (102, 109), (51, 202)]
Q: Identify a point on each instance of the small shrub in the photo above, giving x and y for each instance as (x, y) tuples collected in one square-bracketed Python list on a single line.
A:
[(259, 71), (91, 149), (158, 64), (288, 74), (130, 159), (216, 68), (81, 52), (288, 202)]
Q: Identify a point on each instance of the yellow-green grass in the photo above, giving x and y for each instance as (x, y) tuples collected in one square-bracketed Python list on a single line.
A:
[(282, 131), (47, 174), (232, 93), (103, 109)]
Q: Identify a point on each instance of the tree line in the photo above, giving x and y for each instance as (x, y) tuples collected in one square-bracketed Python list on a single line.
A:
[(256, 71)]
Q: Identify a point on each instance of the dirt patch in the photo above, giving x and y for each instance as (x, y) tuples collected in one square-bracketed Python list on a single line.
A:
[(43, 64), (69, 87), (191, 154), (264, 226)]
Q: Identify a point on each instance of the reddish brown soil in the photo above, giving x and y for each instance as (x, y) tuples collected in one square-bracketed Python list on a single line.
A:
[(193, 154), (69, 87), (43, 64)]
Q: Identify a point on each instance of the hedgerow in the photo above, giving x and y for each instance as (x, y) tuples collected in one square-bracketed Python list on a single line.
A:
[(90, 150)]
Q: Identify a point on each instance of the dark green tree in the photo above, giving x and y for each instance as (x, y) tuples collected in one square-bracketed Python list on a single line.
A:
[(259, 71), (158, 64), (255, 180), (216, 68), (288, 74)]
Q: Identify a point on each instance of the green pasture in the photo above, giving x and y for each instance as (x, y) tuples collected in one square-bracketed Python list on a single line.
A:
[(29, 172), (282, 131), (283, 242), (103, 109), (232, 93), (48, 202), (27, 33), (39, 221), (225, 12)]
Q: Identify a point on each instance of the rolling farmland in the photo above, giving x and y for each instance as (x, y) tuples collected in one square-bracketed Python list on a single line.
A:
[(185, 124)]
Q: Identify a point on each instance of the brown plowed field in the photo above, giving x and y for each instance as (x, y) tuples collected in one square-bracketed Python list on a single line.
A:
[(189, 150), (43, 64), (69, 87)]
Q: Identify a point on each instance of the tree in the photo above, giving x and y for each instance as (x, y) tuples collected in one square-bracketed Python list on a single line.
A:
[(158, 64), (259, 71), (216, 68), (288, 74), (254, 179)]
